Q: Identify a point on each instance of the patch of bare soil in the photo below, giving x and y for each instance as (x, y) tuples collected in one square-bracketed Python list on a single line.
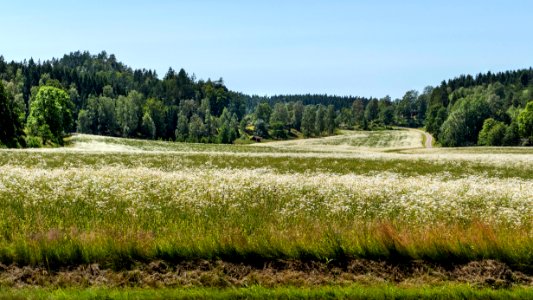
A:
[(487, 273)]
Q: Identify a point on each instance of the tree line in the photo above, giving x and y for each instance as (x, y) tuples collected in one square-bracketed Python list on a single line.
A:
[(42, 101)]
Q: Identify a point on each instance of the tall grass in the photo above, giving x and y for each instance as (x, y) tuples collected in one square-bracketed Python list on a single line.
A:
[(257, 292), (295, 163), (116, 217), (242, 203)]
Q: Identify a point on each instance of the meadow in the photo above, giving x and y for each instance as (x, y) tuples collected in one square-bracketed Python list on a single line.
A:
[(374, 210)]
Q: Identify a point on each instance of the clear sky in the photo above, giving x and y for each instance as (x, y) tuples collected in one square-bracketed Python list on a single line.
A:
[(363, 48)]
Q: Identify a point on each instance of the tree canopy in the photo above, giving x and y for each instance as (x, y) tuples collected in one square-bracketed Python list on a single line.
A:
[(107, 97)]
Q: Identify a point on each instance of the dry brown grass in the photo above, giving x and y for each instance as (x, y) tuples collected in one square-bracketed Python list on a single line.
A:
[(157, 274)]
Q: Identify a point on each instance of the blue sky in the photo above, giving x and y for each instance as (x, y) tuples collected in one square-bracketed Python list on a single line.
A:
[(364, 48)]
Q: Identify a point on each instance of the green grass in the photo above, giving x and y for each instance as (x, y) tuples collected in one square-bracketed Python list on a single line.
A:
[(257, 292), (122, 214), (282, 164), (183, 202)]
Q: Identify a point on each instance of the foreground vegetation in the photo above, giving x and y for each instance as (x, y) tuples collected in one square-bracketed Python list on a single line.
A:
[(257, 292), (116, 216), (141, 213)]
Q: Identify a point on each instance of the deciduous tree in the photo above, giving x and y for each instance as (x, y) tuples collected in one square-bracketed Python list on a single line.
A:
[(50, 115)]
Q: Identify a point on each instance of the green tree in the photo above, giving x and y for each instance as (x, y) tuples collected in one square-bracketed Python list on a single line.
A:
[(84, 122), (224, 134), (406, 108), (278, 130), (345, 118), (10, 127), (210, 128), (464, 122), (50, 115), (75, 98), (263, 111), (148, 126), (280, 114), (107, 91), (320, 118), (525, 122), (234, 128), (196, 129), (129, 113), (15, 97), (422, 105), (330, 119), (107, 121), (497, 107), (190, 107), (372, 110), (386, 115), (308, 121), (492, 133), (182, 130), (436, 116), (260, 128), (358, 113), (297, 113), (512, 135), (157, 111)]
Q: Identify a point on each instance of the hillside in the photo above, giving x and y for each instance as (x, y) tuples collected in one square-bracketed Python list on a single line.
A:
[(104, 96)]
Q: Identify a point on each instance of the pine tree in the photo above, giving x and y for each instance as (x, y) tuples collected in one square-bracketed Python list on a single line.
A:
[(9, 127)]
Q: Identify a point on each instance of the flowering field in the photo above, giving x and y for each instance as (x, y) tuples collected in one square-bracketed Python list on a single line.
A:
[(120, 203)]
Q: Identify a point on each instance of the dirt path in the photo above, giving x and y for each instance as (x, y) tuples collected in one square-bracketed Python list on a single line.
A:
[(429, 137)]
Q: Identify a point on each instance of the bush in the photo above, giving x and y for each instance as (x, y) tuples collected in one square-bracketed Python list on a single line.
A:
[(34, 141)]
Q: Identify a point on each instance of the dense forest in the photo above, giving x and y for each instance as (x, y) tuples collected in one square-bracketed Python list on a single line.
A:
[(40, 102)]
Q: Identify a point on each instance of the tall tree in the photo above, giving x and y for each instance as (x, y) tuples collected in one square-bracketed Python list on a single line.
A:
[(107, 121), (157, 111), (196, 129), (407, 108), (372, 110), (308, 121), (280, 114), (10, 128), (298, 110), (358, 112), (320, 118), (84, 122), (525, 122), (492, 133), (263, 111), (330, 119), (182, 129), (148, 128), (129, 113), (50, 115), (465, 122)]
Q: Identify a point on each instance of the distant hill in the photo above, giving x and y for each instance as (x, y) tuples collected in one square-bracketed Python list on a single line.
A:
[(485, 109)]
